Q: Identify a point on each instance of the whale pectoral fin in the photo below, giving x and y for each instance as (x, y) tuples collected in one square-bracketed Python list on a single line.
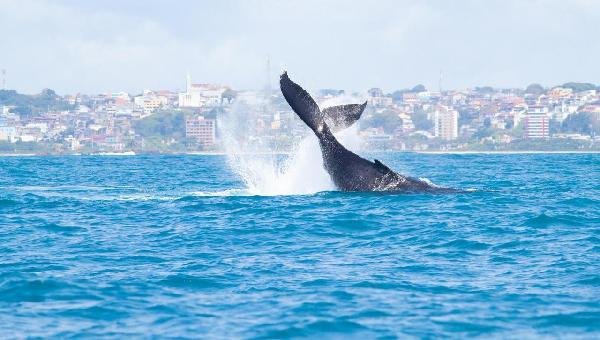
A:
[(382, 167), (343, 116)]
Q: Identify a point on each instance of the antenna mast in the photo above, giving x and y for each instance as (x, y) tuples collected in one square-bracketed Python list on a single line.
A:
[(268, 71), (3, 79)]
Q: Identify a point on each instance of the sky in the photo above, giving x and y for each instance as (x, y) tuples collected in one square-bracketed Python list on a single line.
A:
[(91, 46)]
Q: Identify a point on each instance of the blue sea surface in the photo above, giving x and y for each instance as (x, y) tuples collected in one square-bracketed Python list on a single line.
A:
[(101, 246)]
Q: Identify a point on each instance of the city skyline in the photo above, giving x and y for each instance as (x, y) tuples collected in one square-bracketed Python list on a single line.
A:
[(560, 118), (93, 48), (274, 88)]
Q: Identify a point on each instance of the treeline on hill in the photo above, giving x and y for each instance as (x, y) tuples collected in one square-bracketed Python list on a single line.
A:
[(397, 95), (169, 124), (389, 121), (586, 123), (166, 124), (579, 87), (32, 105), (537, 89)]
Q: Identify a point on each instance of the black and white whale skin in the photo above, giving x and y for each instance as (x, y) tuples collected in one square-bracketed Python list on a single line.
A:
[(348, 171), (342, 116)]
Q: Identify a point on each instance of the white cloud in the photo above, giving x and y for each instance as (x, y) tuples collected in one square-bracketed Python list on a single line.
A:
[(112, 45)]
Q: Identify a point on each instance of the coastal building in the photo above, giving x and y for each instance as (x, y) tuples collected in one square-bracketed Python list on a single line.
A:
[(593, 108), (201, 129), (562, 111), (8, 133), (560, 93), (201, 95), (150, 102), (445, 121), (378, 99), (29, 134), (376, 139), (586, 96), (123, 96), (410, 98), (538, 110), (407, 123), (517, 112), (536, 125), (83, 109)]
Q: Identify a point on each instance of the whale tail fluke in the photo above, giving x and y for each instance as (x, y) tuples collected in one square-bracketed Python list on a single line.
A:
[(302, 103), (343, 116)]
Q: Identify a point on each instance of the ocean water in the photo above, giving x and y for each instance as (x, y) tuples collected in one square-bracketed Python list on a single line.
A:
[(193, 246)]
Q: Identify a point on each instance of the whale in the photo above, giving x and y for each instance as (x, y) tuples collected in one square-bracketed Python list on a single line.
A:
[(347, 170), (341, 117)]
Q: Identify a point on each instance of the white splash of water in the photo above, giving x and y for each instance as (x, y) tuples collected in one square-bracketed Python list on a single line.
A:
[(300, 172), (297, 173), (350, 138)]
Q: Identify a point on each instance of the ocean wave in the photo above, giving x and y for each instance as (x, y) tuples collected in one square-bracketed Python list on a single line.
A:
[(37, 290), (57, 228), (581, 202), (5, 202), (543, 221), (192, 282), (468, 328), (65, 188), (584, 319), (95, 312), (94, 249), (220, 193), (462, 244), (334, 328)]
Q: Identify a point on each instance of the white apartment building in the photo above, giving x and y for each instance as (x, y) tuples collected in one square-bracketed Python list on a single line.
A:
[(538, 110), (445, 121), (536, 125)]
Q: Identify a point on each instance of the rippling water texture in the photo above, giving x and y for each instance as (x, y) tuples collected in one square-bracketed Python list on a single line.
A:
[(176, 246)]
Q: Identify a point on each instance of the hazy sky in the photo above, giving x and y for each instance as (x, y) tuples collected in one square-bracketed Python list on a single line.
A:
[(97, 46)]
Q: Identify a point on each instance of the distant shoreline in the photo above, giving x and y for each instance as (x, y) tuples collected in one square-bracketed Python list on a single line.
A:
[(220, 153), (511, 152)]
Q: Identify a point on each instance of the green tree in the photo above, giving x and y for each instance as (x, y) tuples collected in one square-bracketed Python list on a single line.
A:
[(554, 126), (582, 122), (164, 124), (466, 115), (398, 95), (388, 120), (229, 95), (535, 89), (420, 120), (579, 87), (33, 104), (487, 122), (419, 88), (484, 89), (510, 124)]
